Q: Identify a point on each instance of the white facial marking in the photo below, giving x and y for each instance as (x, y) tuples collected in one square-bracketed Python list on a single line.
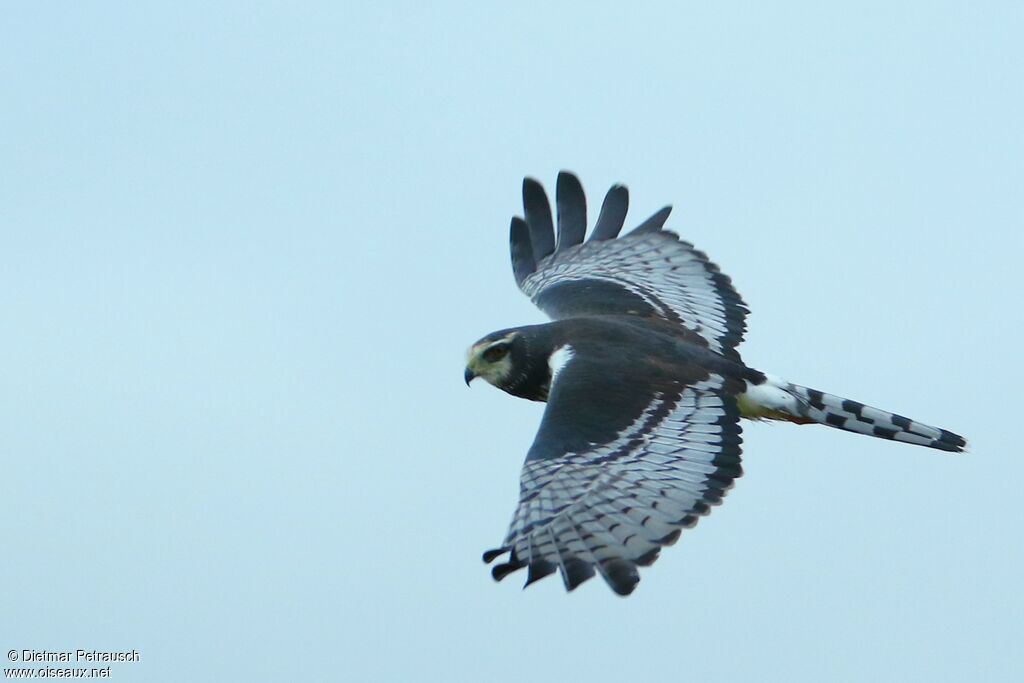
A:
[(495, 372)]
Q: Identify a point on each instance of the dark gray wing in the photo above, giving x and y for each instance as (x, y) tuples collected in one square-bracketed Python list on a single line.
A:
[(618, 469), (647, 272)]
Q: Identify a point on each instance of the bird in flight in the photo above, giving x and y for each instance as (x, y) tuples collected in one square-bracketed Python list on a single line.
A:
[(644, 390)]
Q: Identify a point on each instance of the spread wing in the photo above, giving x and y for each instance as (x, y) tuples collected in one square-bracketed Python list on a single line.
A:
[(647, 272), (617, 470)]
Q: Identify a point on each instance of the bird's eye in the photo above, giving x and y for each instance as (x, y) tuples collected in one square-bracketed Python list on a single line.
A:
[(495, 353)]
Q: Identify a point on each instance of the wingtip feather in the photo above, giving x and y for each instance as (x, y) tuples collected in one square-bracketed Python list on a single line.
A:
[(655, 223), (572, 211), (613, 214), (538, 217), (521, 249)]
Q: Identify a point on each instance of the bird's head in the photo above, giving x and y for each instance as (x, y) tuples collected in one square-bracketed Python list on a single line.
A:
[(492, 358)]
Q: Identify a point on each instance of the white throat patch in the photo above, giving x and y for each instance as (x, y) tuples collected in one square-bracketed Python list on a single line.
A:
[(559, 359)]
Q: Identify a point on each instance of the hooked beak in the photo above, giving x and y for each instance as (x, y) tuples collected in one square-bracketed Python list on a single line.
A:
[(470, 376)]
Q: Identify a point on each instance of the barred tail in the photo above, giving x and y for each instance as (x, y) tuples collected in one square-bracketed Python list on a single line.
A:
[(778, 399)]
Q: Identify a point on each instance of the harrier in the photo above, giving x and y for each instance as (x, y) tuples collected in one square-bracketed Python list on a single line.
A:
[(644, 390)]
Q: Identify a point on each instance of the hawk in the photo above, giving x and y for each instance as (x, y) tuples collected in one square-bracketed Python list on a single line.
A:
[(644, 390)]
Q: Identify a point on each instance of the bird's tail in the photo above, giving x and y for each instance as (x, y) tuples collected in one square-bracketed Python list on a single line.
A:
[(777, 399)]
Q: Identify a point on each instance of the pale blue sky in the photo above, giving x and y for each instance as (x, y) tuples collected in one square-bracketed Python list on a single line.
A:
[(243, 249)]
